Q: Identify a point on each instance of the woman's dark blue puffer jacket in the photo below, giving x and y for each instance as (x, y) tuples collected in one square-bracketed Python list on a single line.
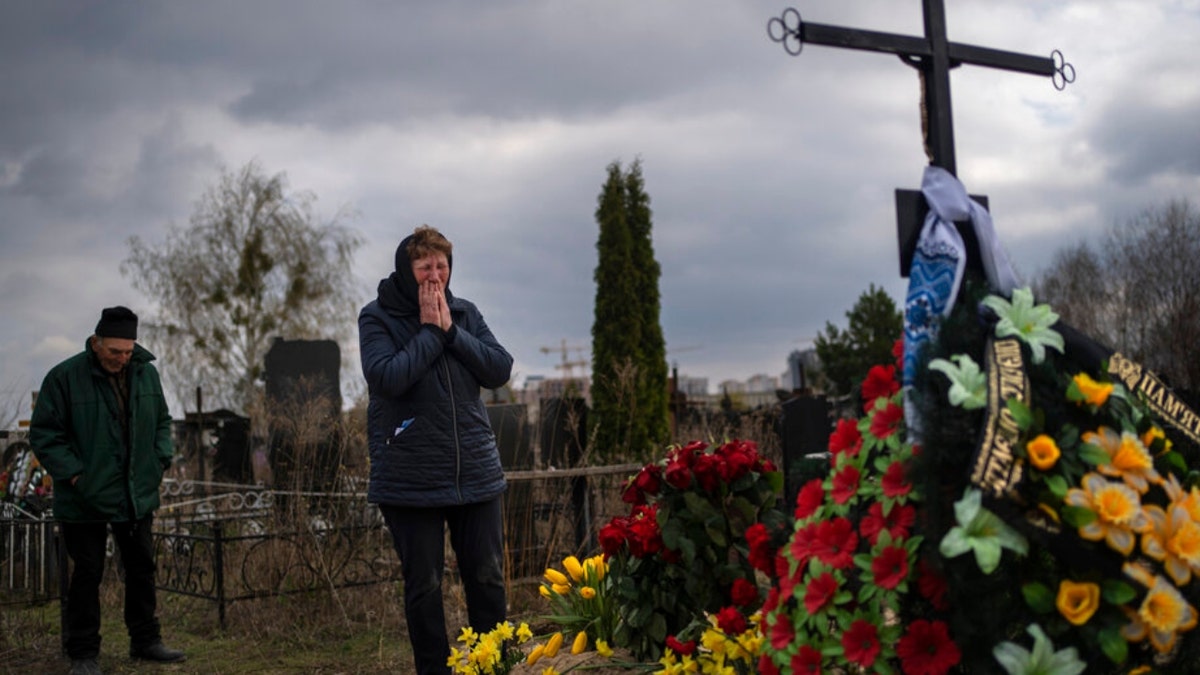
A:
[(430, 440)]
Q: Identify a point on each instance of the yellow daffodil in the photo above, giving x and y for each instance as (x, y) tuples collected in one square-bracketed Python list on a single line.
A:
[(1128, 458), (1173, 540), (503, 631), (1118, 512), (580, 643), (603, 649), (1077, 601), (524, 634), (468, 636), (1163, 614), (1093, 392), (1043, 452), (571, 564)]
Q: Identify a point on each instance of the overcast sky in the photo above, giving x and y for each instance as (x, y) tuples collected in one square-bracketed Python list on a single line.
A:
[(771, 177)]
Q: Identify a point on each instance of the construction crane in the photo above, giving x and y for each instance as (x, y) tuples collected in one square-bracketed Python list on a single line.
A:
[(567, 365)]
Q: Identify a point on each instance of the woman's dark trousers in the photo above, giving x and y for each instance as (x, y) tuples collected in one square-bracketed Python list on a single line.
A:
[(476, 535)]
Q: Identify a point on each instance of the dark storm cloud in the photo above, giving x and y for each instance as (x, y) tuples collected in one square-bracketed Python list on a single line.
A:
[(771, 177)]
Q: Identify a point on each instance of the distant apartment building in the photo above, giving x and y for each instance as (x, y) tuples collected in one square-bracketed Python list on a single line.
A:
[(761, 383), (801, 365)]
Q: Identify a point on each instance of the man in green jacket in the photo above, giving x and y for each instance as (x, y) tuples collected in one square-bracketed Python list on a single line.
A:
[(101, 428)]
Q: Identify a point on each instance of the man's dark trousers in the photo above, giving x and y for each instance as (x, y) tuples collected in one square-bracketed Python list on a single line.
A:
[(477, 539), (85, 544)]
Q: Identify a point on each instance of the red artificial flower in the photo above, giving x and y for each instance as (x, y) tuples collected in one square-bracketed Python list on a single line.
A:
[(926, 649), (803, 543), (890, 567), (835, 542), (789, 580), (743, 593), (860, 643), (782, 632), (806, 661), (765, 465), (880, 383), (731, 621), (894, 481), (897, 522), (845, 484), (932, 585), (886, 420), (781, 564), (766, 666), (820, 592), (810, 498), (769, 604), (681, 648), (845, 438)]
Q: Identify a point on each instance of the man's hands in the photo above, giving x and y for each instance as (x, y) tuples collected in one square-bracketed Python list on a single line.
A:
[(434, 309)]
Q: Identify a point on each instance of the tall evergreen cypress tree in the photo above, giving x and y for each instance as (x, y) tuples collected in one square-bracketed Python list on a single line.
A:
[(629, 367)]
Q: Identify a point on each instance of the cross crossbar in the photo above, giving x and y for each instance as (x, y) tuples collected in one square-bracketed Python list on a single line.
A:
[(907, 46)]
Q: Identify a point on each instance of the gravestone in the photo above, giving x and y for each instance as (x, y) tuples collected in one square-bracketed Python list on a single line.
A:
[(806, 426), (303, 413)]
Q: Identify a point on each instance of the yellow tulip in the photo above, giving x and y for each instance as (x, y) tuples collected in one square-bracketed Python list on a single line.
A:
[(571, 564), (555, 577), (544, 591), (587, 592), (535, 654), (562, 589), (580, 642), (553, 644)]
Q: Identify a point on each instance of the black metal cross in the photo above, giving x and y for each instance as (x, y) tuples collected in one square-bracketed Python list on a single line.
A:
[(934, 56)]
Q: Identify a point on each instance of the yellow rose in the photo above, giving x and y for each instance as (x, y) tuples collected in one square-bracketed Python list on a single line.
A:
[(1093, 392), (1077, 602), (1043, 452)]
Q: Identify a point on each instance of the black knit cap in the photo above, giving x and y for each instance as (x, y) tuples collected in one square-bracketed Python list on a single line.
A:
[(117, 322)]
